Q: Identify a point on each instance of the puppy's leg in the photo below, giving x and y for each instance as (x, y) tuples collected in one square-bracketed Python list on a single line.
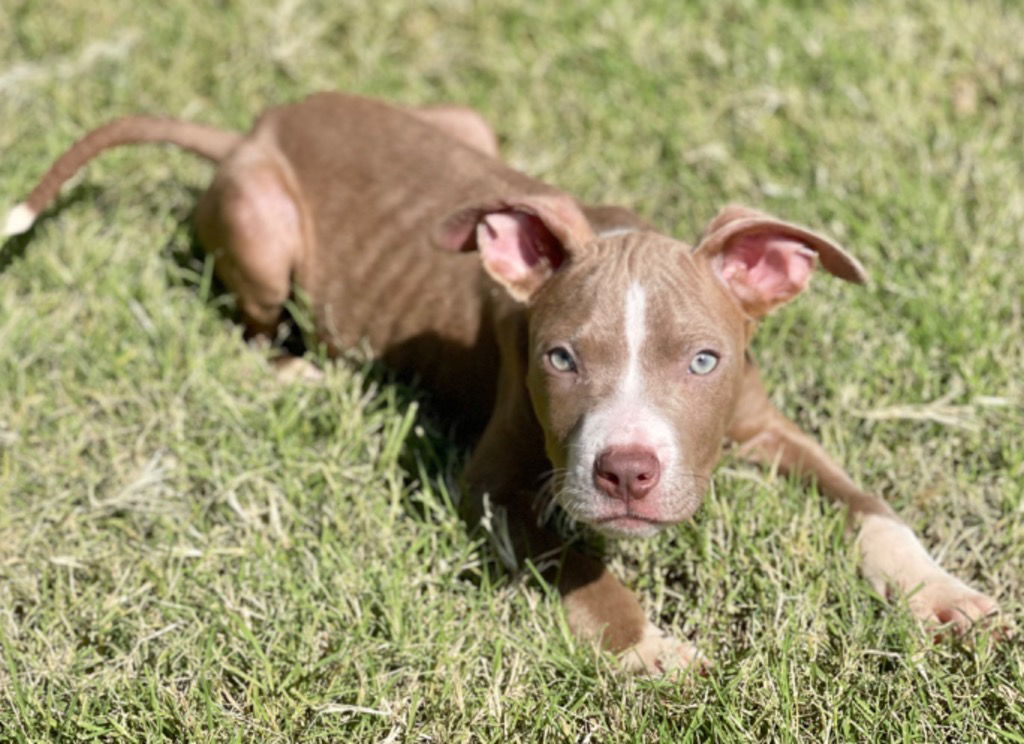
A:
[(252, 223), (462, 123), (597, 605), (891, 555)]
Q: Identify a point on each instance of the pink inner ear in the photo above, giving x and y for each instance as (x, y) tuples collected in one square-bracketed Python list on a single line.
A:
[(517, 248), (766, 269)]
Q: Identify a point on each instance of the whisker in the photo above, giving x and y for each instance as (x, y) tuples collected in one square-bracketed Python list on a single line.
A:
[(545, 499), (695, 476)]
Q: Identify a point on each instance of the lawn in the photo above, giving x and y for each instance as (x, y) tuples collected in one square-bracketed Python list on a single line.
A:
[(190, 551)]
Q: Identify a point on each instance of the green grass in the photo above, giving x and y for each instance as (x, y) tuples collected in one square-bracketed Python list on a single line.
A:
[(189, 551)]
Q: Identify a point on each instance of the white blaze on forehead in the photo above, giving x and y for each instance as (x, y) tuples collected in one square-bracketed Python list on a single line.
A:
[(631, 387)]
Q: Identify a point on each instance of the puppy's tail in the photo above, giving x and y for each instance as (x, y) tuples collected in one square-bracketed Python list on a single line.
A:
[(208, 142)]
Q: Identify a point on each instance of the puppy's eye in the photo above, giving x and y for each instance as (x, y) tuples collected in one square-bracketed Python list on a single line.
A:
[(561, 360), (704, 362)]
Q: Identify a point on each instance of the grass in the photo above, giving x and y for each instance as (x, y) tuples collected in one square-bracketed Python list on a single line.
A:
[(189, 551)]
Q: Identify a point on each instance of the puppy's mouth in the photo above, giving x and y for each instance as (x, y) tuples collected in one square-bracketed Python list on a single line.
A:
[(630, 524), (629, 518)]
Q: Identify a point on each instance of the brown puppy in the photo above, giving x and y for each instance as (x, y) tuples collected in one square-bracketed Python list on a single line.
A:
[(584, 343)]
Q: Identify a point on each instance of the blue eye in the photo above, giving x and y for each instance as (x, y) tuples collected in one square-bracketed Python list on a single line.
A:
[(561, 360), (704, 362)]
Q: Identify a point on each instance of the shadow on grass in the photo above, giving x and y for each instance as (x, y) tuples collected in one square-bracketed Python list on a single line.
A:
[(439, 451)]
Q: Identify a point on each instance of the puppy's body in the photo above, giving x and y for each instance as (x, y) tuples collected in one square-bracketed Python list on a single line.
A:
[(590, 346), (348, 190)]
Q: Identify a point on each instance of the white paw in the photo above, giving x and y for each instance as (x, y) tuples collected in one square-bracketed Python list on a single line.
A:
[(892, 558), (944, 599), (289, 369), (658, 653)]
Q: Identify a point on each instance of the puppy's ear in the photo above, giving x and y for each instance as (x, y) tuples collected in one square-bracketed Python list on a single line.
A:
[(765, 262), (522, 240)]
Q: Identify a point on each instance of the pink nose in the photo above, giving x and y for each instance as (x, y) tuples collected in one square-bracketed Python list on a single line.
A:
[(626, 472)]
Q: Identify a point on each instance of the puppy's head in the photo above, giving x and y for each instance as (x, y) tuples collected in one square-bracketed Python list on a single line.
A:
[(635, 352)]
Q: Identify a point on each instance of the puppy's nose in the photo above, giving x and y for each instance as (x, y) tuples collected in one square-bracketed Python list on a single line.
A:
[(626, 472)]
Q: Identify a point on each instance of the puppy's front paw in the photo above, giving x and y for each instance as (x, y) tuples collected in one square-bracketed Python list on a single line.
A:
[(944, 599), (292, 369), (892, 558), (658, 653)]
